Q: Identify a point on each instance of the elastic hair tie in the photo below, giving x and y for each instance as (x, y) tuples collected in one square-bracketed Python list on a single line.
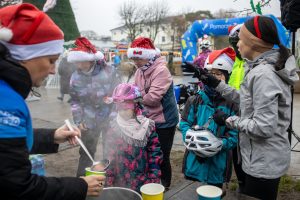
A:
[(256, 26)]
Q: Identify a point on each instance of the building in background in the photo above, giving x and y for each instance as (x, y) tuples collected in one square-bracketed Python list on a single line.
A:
[(165, 39)]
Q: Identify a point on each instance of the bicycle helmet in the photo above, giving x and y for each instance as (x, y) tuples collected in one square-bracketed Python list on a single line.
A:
[(205, 44), (202, 142), (125, 92), (126, 95)]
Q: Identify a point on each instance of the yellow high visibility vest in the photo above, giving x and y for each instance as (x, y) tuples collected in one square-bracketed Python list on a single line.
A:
[(237, 74)]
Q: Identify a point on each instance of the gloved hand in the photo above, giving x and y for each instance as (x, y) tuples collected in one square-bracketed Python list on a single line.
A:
[(220, 117), (207, 78), (203, 75)]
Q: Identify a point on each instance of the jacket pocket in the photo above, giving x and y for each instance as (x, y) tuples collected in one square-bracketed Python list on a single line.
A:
[(257, 157)]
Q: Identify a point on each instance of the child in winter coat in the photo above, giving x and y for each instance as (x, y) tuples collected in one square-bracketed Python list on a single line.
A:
[(90, 85), (210, 163), (132, 143)]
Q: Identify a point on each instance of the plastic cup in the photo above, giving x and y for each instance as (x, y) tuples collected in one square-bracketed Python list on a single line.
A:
[(89, 172), (152, 191), (209, 192)]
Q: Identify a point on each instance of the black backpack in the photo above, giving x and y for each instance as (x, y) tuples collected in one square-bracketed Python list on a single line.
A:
[(290, 14)]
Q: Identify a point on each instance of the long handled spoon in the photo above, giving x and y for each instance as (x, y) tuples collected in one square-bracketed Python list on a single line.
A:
[(69, 125)]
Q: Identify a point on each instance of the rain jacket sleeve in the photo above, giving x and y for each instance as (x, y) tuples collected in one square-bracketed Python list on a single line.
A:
[(265, 93), (16, 178), (161, 81), (229, 93), (77, 110), (154, 159), (230, 141)]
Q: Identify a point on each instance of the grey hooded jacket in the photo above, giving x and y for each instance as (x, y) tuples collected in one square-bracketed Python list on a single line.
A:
[(265, 106)]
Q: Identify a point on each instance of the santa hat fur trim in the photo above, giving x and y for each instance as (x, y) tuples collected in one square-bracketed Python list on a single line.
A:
[(81, 56), (143, 48), (26, 52), (5, 34), (141, 53)]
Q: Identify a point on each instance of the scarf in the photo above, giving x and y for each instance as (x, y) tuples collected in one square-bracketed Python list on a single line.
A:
[(211, 92), (135, 133), (149, 64)]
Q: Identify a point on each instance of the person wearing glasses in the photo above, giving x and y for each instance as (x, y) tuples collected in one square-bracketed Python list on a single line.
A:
[(200, 163)]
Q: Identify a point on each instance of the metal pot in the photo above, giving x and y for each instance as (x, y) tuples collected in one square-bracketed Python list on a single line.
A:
[(117, 193)]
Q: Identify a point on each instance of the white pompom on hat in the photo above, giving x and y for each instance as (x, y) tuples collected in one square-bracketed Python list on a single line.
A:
[(143, 48), (29, 33), (221, 59), (84, 51)]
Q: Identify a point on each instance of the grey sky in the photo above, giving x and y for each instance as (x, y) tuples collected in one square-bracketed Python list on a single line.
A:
[(102, 15)]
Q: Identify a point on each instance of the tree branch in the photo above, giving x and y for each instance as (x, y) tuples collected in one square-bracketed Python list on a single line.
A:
[(249, 10)]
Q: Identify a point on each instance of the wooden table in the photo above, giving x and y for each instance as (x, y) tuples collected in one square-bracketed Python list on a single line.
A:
[(186, 190)]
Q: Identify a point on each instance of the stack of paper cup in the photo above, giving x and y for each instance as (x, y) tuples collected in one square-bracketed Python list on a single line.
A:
[(152, 191), (209, 192)]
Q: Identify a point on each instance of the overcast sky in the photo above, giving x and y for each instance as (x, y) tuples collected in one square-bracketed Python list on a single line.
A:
[(102, 15)]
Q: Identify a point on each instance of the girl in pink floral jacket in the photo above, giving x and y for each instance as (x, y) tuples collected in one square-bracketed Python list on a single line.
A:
[(132, 143)]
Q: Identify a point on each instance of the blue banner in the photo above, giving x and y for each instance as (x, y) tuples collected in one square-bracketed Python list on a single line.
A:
[(218, 27)]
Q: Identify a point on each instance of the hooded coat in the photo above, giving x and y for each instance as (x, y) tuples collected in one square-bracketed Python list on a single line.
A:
[(265, 113), (198, 109), (88, 92), (156, 85)]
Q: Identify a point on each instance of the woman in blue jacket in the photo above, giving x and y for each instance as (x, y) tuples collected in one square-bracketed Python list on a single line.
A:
[(30, 44), (203, 109)]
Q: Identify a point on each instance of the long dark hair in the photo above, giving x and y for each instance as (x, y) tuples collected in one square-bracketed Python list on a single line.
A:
[(268, 33)]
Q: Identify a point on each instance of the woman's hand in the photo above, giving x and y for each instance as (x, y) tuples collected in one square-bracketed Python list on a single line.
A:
[(95, 184), (63, 134)]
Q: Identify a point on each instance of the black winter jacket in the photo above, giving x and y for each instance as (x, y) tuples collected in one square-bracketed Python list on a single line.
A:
[(16, 180)]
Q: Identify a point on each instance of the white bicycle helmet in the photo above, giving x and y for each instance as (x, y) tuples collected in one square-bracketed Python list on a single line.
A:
[(202, 142), (205, 44)]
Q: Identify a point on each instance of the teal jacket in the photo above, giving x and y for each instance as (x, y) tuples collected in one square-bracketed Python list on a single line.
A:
[(198, 109)]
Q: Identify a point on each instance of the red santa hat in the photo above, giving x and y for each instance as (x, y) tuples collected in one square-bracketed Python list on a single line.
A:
[(29, 33), (221, 59), (84, 51), (142, 48), (234, 29)]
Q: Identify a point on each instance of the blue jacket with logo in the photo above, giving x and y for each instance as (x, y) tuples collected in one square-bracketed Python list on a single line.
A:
[(15, 120), (198, 109)]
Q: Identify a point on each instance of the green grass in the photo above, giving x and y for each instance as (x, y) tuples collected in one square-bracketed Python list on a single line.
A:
[(287, 184), (233, 185)]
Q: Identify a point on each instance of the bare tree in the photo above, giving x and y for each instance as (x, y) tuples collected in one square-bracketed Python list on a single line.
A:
[(155, 13), (180, 23), (223, 13), (133, 18), (255, 8), (178, 27)]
